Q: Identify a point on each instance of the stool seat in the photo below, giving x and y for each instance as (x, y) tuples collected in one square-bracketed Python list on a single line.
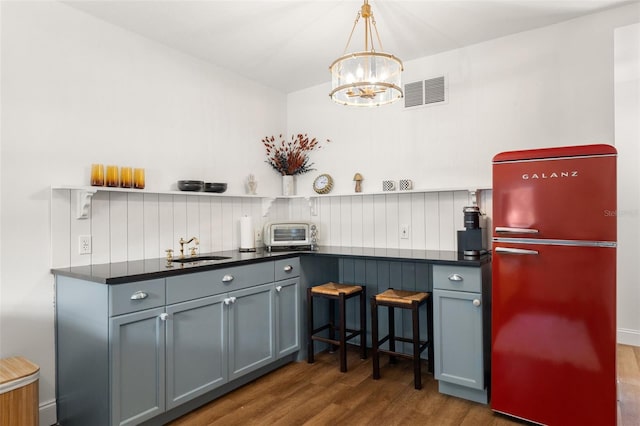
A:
[(401, 296), (334, 289)]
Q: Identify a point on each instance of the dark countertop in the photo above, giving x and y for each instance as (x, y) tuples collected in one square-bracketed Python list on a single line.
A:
[(137, 270)]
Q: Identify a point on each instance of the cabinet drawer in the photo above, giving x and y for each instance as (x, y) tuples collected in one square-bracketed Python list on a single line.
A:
[(132, 297), (461, 278), (287, 268), (202, 284)]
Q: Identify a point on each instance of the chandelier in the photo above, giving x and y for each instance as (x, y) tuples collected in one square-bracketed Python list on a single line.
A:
[(367, 78)]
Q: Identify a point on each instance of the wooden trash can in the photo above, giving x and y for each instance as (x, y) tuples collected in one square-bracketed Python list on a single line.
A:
[(18, 392)]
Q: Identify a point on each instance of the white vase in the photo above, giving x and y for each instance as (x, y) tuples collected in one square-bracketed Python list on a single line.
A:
[(288, 185)]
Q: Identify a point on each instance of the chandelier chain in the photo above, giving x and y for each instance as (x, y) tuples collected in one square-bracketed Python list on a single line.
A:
[(375, 27), (355, 24)]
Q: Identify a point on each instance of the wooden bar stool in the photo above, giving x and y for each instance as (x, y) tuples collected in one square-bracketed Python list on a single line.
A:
[(404, 300), (341, 293)]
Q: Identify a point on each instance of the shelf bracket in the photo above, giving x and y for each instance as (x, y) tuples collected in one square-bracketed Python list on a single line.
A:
[(473, 195), (266, 205), (84, 197), (313, 205)]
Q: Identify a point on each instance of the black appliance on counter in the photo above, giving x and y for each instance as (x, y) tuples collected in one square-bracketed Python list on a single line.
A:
[(472, 241)]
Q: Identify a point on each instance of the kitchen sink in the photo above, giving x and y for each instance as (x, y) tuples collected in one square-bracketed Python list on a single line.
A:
[(191, 259)]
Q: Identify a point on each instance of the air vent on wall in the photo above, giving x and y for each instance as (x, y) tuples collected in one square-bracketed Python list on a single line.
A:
[(425, 92)]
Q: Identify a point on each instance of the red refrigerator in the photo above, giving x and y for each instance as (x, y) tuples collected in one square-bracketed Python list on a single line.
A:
[(553, 354)]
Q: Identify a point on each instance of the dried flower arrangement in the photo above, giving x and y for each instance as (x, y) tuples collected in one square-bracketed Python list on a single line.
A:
[(292, 157)]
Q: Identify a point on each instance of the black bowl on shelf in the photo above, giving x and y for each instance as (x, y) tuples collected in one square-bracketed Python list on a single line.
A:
[(215, 187), (190, 185)]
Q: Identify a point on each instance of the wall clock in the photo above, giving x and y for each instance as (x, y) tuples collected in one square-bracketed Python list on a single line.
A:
[(323, 184)]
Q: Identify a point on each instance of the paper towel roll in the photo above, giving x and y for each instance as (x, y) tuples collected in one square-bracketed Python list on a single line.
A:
[(247, 239)]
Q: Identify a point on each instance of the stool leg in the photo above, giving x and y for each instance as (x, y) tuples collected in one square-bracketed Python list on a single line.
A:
[(374, 339), (417, 377), (430, 353), (310, 354), (332, 323), (363, 324), (392, 333), (343, 334)]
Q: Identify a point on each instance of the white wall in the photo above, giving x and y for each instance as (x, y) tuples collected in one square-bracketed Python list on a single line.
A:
[(548, 87), (76, 90), (627, 128)]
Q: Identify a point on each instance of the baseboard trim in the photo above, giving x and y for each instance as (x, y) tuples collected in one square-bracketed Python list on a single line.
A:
[(627, 336), (48, 415)]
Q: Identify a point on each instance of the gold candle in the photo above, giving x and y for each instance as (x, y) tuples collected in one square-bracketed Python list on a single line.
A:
[(97, 175), (138, 178), (112, 176), (126, 177)]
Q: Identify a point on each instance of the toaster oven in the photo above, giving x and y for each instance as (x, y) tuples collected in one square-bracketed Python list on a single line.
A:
[(292, 235)]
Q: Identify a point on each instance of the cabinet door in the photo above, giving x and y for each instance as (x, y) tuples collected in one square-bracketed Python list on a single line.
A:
[(458, 338), (137, 366), (196, 348), (287, 317), (251, 329)]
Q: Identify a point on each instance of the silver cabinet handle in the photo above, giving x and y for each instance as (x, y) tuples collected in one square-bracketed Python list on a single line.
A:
[(164, 316), (288, 268), (455, 277), (507, 230), (139, 295), (227, 278), (279, 288), (229, 300), (476, 302), (507, 250)]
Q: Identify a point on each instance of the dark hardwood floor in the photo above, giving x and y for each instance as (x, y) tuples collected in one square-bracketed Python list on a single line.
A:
[(318, 394)]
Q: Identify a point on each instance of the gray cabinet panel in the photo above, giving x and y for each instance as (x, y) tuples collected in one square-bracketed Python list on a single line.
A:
[(82, 353), (287, 316), (457, 278), (137, 366), (458, 337), (136, 296), (251, 329), (196, 348), (460, 341), (203, 284), (287, 268)]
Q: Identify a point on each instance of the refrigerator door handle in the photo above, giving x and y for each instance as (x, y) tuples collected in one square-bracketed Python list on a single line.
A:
[(507, 250), (507, 230)]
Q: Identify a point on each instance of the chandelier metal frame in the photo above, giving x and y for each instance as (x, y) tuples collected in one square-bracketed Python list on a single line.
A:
[(369, 77)]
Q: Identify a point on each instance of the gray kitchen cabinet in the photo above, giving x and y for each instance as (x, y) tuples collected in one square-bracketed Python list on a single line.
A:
[(110, 352), (196, 355), (156, 345), (288, 310), (251, 341), (287, 316), (461, 344), (137, 343)]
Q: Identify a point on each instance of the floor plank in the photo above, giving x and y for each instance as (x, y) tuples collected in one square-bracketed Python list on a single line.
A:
[(318, 394)]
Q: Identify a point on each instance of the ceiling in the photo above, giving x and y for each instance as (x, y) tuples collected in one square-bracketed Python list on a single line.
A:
[(289, 44)]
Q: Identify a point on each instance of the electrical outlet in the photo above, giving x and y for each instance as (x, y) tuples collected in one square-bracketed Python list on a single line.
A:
[(258, 237), (84, 244), (404, 232)]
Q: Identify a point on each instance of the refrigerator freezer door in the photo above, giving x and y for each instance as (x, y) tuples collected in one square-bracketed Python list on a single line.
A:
[(570, 198), (554, 333)]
